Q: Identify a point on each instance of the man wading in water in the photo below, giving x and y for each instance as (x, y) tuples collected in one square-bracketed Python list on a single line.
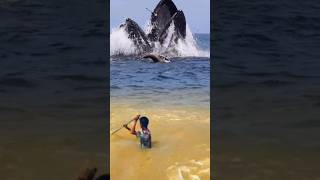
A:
[(144, 134)]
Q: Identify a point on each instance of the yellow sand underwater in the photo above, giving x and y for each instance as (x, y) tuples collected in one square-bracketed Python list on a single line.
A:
[(181, 143)]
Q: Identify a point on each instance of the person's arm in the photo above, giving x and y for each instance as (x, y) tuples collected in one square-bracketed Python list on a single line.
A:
[(133, 130)]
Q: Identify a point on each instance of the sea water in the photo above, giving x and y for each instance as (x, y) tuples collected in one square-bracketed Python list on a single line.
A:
[(175, 97)]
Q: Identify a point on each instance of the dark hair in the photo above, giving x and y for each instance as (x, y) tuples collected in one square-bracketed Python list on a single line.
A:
[(144, 121)]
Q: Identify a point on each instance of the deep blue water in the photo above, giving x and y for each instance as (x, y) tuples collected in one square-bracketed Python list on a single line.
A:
[(184, 79)]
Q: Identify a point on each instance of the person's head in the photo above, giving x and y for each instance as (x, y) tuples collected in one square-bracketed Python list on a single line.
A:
[(144, 121)]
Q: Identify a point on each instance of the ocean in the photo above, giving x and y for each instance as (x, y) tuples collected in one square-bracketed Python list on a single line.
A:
[(265, 89), (265, 94), (53, 88), (175, 97)]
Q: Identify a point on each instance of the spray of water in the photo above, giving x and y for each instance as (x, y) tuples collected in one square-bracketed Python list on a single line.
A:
[(189, 47), (120, 44)]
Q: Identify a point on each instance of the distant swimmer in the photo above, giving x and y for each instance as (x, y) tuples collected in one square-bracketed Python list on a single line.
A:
[(157, 58), (144, 134)]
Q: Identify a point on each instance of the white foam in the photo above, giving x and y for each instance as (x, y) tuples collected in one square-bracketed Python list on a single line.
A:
[(164, 47), (147, 27), (191, 170), (189, 47), (181, 173), (120, 44)]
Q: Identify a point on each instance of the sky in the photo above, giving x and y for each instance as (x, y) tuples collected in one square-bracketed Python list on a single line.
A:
[(197, 12)]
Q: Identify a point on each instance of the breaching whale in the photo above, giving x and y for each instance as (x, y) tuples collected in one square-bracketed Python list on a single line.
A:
[(163, 16)]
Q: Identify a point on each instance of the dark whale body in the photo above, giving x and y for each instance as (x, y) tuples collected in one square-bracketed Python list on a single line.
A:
[(156, 58), (165, 14)]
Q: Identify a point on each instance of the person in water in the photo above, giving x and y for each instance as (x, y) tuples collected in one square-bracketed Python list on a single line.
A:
[(144, 134)]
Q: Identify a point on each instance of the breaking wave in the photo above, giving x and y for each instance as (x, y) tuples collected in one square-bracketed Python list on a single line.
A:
[(120, 44)]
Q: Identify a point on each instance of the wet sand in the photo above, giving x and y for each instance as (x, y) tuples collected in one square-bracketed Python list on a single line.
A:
[(181, 142)]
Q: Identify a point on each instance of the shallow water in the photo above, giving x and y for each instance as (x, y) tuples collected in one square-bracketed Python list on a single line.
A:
[(181, 142), (175, 96)]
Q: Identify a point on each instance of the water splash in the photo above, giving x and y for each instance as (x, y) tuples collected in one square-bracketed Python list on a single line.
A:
[(120, 44), (189, 46)]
